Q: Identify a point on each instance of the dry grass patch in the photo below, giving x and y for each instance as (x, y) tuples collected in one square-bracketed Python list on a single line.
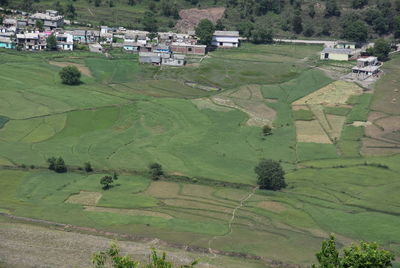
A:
[(335, 93), (377, 147), (82, 68), (163, 189), (205, 103), (272, 206), (336, 123), (84, 198), (130, 212), (311, 131), (198, 191), (300, 107)]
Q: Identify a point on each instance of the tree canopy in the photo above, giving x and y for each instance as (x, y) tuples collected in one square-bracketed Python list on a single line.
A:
[(70, 75), (204, 31), (270, 175), (51, 42), (381, 49), (363, 255)]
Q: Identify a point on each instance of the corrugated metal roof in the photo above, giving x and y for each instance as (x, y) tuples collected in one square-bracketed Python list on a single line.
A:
[(227, 33)]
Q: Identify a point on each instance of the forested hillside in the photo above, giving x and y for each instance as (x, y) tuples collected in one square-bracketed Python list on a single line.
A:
[(356, 20)]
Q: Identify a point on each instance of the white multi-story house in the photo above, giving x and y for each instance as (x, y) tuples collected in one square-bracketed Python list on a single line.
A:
[(225, 39), (65, 41)]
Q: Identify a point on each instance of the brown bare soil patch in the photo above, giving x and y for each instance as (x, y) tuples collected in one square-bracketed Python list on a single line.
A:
[(84, 70), (374, 115), (311, 131), (163, 189), (191, 17), (271, 205), (378, 147), (130, 212), (84, 198), (361, 123)]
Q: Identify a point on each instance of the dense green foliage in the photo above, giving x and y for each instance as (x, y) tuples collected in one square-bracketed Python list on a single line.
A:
[(364, 255), (270, 175), (381, 49), (57, 164), (70, 75), (281, 17), (51, 42), (106, 182), (155, 171), (204, 31)]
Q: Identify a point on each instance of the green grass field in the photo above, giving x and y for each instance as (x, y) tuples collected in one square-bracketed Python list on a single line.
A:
[(125, 116)]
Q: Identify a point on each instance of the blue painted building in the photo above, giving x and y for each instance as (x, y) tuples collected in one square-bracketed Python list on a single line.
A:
[(7, 43)]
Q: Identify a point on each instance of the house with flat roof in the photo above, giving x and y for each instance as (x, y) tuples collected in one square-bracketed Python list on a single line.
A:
[(225, 39), (188, 48), (51, 19), (65, 41), (32, 41), (340, 54), (7, 43), (366, 67)]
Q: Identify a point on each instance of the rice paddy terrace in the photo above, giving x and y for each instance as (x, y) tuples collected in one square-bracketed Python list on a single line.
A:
[(203, 124)]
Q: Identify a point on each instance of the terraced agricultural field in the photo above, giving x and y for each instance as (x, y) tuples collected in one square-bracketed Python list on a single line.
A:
[(125, 115)]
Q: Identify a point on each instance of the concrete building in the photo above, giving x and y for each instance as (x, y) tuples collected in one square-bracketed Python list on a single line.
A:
[(226, 39), (173, 59), (32, 41), (79, 36), (136, 36), (150, 57), (188, 48), (346, 45), (96, 48), (51, 19), (7, 43), (340, 54), (366, 67), (65, 41)]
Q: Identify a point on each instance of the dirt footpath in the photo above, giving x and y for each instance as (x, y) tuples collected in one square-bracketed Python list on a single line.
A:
[(84, 69)]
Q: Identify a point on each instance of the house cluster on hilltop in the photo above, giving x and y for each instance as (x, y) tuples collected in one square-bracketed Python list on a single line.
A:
[(31, 31)]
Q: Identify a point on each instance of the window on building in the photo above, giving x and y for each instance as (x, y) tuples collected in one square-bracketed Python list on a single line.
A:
[(221, 44), (190, 49), (179, 62)]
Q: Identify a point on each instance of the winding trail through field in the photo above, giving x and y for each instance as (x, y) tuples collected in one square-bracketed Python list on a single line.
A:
[(242, 201)]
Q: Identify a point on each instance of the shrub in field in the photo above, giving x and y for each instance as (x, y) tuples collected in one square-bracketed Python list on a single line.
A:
[(57, 164), (88, 167), (266, 130), (270, 175), (106, 182), (366, 255), (70, 75), (155, 171), (112, 258)]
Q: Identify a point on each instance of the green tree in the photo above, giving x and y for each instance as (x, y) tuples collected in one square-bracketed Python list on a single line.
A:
[(106, 182), (245, 28), (39, 25), (270, 175), (381, 49), (262, 35), (52, 162), (115, 176), (297, 24), (149, 22), (205, 31), (331, 8), (359, 3), (311, 10), (396, 27), (88, 167), (155, 170), (51, 42), (70, 12), (364, 255), (57, 164), (356, 31), (309, 30), (70, 75), (266, 130)]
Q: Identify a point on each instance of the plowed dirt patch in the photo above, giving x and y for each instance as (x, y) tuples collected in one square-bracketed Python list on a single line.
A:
[(84, 198), (191, 17), (163, 189), (84, 70)]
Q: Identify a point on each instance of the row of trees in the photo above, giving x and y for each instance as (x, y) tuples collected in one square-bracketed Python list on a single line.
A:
[(58, 165)]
